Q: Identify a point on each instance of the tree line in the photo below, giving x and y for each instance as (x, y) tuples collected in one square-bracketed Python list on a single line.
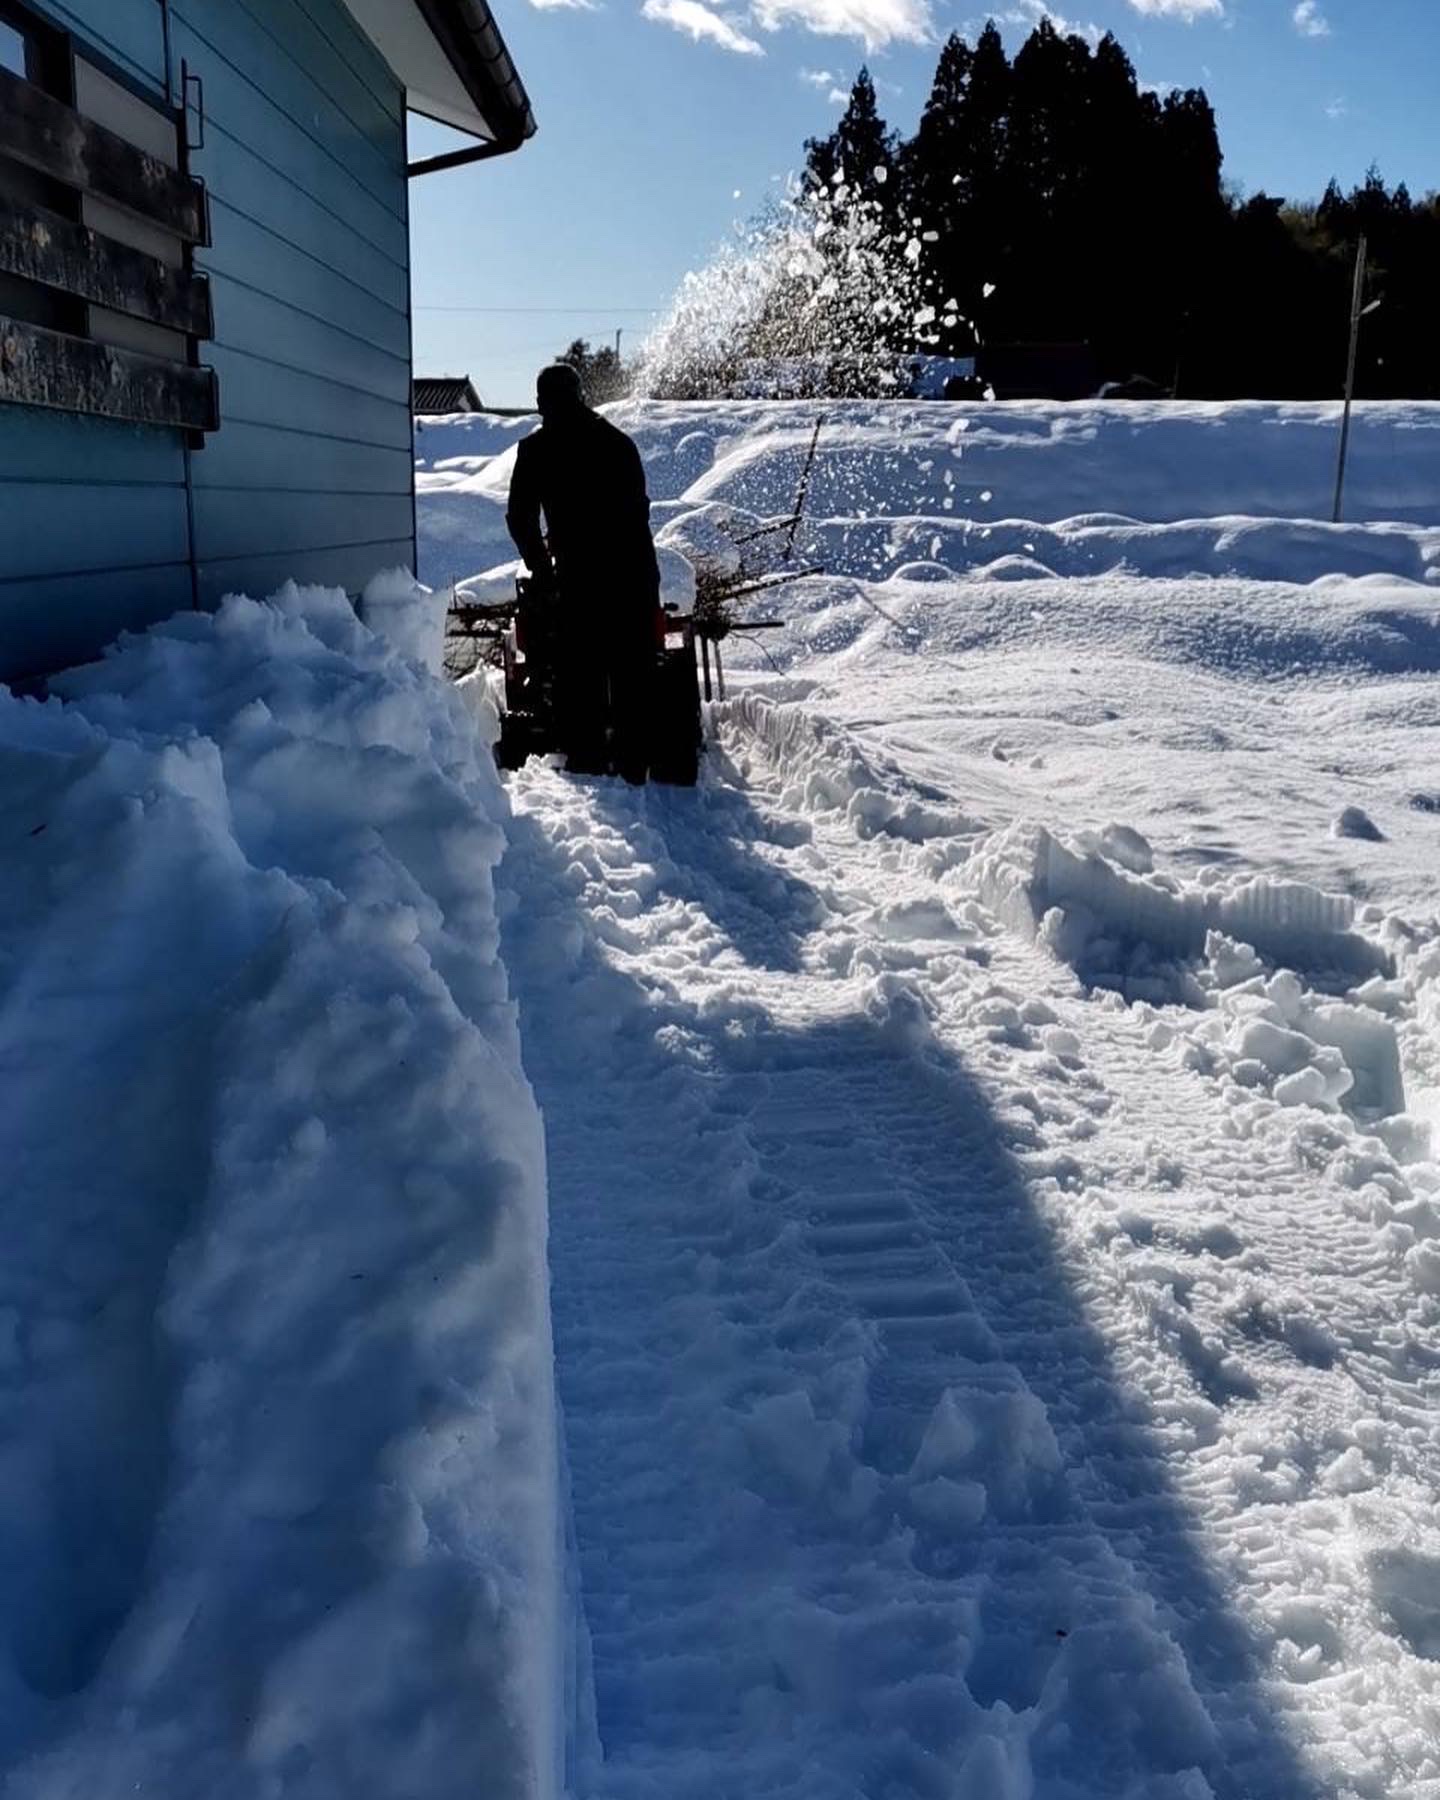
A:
[(1050, 199)]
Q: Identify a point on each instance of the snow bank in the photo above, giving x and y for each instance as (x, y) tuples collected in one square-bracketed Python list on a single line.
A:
[(1103, 918), (407, 615), (451, 443), (278, 1491), (823, 769), (913, 490), (1152, 461)]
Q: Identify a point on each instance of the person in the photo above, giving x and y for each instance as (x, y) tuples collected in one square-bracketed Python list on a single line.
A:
[(595, 556)]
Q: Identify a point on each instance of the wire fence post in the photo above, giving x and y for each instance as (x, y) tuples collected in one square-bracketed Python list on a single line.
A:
[(1357, 310)]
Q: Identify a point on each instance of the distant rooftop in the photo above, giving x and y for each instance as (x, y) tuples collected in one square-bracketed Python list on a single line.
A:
[(444, 394)]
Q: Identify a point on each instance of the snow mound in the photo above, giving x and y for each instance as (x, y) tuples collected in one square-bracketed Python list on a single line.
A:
[(279, 1483), (407, 615), (1128, 931), (824, 769), (1074, 490), (464, 443), (1153, 462), (879, 546)]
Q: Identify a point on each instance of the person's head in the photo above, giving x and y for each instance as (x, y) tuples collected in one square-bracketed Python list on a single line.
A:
[(559, 392)]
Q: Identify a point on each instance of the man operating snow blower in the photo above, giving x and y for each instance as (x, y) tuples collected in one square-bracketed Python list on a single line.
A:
[(593, 560)]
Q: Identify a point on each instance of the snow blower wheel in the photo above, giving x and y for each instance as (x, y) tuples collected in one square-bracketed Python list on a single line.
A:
[(677, 738), (531, 724)]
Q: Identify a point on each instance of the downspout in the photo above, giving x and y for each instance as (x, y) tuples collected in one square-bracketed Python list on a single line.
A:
[(182, 144), (456, 159), (410, 346)]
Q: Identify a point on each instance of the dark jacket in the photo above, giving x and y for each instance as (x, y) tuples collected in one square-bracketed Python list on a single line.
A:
[(587, 480)]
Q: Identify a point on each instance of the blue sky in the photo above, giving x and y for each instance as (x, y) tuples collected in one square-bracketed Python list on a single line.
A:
[(663, 122)]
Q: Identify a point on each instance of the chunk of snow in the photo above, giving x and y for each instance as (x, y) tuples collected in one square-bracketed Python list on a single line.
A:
[(407, 615), (1355, 822)]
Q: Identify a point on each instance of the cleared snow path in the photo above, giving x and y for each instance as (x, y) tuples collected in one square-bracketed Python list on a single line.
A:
[(952, 1409)]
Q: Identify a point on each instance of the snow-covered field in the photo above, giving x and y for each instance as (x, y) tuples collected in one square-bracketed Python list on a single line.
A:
[(993, 1216)]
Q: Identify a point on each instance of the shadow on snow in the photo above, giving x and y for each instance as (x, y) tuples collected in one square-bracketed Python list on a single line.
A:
[(862, 1507)]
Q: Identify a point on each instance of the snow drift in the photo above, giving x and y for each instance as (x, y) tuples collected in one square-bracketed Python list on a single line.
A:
[(278, 1494)]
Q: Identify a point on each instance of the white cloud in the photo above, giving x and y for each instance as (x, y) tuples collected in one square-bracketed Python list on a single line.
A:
[(1338, 109), (1310, 21), (829, 82), (875, 22), (1187, 10), (701, 22), (564, 5), (1031, 12)]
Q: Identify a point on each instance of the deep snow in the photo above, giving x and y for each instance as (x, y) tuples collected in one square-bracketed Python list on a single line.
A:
[(988, 1164), (278, 1488)]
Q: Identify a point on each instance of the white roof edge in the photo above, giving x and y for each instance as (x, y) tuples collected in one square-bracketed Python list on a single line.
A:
[(433, 86)]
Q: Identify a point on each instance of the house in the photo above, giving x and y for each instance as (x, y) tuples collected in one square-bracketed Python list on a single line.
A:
[(205, 372), (433, 395)]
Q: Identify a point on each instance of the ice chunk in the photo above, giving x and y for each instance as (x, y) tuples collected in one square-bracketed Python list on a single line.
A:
[(1355, 822)]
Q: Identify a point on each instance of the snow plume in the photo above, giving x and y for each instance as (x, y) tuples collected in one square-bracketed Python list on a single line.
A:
[(280, 1489), (821, 295)]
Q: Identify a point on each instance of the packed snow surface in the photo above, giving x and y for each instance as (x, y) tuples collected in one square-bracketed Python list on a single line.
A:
[(995, 1220), (278, 1486)]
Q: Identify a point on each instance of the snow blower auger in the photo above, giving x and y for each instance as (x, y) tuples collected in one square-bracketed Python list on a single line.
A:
[(522, 638)]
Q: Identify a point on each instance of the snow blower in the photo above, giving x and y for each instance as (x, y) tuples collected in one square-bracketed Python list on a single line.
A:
[(523, 641)]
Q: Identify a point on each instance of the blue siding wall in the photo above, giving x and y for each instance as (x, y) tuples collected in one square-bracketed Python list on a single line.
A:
[(93, 533), (310, 474), (311, 471), (130, 33)]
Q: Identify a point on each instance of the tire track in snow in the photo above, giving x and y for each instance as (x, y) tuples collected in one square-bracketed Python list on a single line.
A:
[(861, 1507), (1249, 1269)]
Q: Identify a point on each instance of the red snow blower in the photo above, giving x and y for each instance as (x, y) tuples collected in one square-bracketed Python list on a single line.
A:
[(523, 637)]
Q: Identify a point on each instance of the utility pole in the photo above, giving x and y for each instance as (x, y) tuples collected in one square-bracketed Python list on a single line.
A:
[(618, 330), (1358, 310)]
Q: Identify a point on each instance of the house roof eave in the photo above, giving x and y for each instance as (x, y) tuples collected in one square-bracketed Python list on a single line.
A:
[(454, 65)]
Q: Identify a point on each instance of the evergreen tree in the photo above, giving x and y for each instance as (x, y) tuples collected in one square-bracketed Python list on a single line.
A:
[(860, 153), (935, 186), (1060, 203), (604, 375), (1116, 201), (983, 165), (1046, 148)]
